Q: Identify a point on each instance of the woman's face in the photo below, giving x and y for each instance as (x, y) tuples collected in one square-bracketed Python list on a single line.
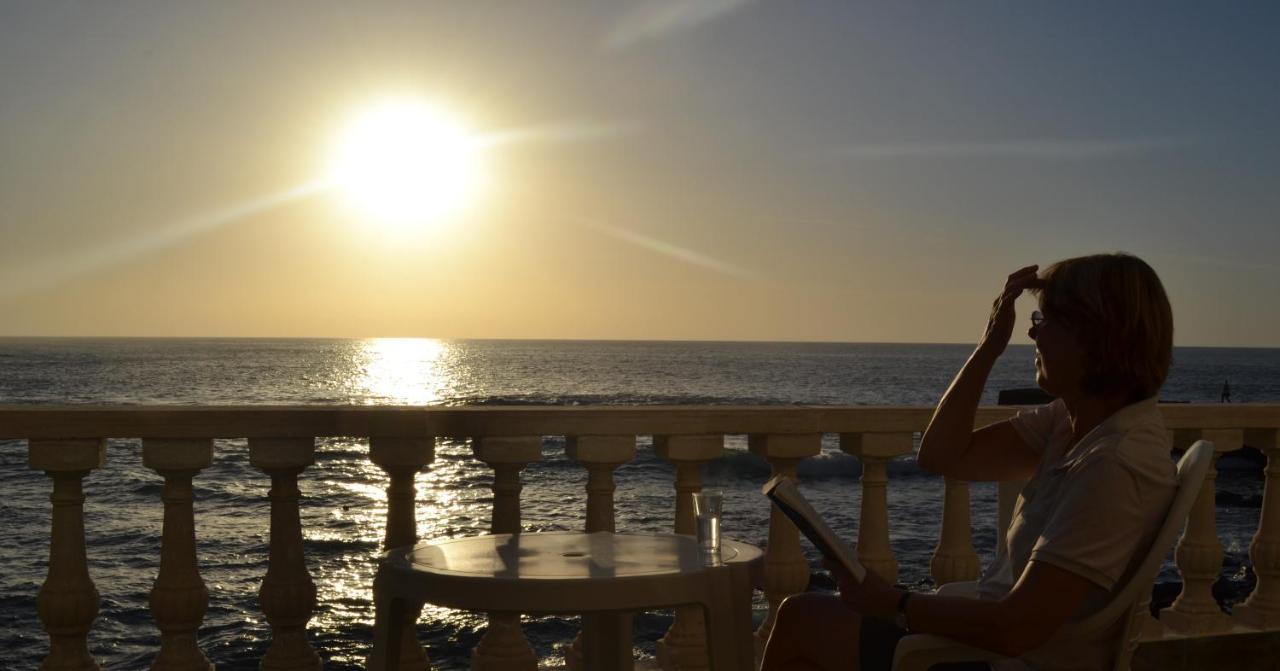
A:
[(1059, 357)]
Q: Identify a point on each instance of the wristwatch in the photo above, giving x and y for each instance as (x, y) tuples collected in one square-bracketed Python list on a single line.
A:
[(901, 618)]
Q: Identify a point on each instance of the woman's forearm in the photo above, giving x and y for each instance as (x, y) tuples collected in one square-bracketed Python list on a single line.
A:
[(984, 624), (1044, 598), (947, 438), (950, 432)]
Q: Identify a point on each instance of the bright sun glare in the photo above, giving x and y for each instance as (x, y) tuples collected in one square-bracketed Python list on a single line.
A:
[(406, 163)]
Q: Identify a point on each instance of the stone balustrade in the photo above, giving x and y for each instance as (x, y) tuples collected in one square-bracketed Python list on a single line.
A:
[(67, 443)]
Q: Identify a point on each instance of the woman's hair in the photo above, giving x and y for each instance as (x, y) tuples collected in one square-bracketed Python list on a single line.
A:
[(1120, 315)]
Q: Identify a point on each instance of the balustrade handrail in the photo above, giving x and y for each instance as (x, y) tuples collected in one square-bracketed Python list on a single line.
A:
[(221, 421)]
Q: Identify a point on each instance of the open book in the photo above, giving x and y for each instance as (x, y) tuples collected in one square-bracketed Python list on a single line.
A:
[(784, 494)]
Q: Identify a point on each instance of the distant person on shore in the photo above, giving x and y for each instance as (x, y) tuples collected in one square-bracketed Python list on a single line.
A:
[(1226, 391), (1101, 481)]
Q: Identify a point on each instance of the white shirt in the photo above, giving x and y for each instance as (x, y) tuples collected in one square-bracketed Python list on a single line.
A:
[(1092, 508)]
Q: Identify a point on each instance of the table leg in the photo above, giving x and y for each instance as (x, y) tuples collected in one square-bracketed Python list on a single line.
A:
[(728, 618), (743, 628), (606, 641), (388, 623)]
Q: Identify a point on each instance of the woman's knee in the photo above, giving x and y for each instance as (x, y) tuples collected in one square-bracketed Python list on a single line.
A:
[(817, 628), (797, 604), (804, 609)]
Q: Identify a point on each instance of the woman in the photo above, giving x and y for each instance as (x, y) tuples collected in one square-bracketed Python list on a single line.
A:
[(1100, 482)]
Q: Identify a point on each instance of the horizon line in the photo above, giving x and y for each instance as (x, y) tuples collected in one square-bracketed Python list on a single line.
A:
[(709, 341)]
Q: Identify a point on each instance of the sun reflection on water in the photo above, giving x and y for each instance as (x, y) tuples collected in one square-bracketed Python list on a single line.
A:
[(406, 371), (453, 495), (452, 500)]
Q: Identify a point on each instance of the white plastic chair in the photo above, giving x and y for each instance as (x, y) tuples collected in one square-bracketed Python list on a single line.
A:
[(918, 652)]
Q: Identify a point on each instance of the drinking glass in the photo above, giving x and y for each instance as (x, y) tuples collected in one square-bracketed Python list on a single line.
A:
[(707, 506)]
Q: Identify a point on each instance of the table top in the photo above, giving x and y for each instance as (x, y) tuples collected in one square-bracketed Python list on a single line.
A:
[(563, 572), (559, 556)]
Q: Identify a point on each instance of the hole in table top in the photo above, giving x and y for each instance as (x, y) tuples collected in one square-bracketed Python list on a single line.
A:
[(575, 553)]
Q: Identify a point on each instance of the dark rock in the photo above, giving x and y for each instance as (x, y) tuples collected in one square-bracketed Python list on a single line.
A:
[(1024, 396)]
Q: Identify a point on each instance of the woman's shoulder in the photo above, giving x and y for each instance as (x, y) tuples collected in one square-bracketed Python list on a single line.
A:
[(1141, 450)]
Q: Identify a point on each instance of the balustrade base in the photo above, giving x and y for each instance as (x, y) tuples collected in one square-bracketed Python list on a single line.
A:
[(412, 655), (948, 568), (1257, 618), (181, 654), (70, 662), (504, 648), (1195, 623), (684, 648), (1238, 651), (1151, 629)]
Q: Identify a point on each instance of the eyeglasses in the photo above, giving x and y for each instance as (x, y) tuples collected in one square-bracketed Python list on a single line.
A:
[(1037, 318)]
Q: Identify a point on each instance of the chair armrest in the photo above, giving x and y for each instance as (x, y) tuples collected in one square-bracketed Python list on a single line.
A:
[(918, 652)]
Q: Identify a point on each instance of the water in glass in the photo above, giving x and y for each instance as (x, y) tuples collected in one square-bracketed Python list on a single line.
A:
[(706, 509)]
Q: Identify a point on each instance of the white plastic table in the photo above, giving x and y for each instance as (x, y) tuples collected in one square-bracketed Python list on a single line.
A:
[(601, 575)]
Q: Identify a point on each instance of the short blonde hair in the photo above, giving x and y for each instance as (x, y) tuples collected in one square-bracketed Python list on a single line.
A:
[(1119, 312)]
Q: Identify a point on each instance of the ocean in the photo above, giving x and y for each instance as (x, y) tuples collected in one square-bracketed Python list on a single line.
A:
[(343, 507)]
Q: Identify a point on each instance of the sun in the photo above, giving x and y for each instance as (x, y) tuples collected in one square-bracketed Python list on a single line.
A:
[(406, 163)]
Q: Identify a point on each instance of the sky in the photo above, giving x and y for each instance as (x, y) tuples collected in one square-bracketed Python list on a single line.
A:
[(709, 170)]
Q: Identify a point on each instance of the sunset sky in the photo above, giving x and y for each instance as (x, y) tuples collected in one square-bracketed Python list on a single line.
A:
[(722, 169)]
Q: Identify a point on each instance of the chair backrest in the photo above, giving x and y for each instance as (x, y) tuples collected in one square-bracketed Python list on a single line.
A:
[(1134, 594)]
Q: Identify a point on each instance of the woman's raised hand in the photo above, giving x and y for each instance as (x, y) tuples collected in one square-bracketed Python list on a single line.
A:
[(1003, 317)]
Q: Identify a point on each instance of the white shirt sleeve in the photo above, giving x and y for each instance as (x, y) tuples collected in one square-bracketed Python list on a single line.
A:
[(1037, 425)]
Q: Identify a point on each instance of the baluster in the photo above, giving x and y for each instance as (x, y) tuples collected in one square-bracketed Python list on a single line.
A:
[(684, 647), (875, 450), (601, 455), (504, 645), (179, 597), (1199, 552), (785, 570), (68, 601), (954, 559), (1262, 609), (402, 458), (287, 594)]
